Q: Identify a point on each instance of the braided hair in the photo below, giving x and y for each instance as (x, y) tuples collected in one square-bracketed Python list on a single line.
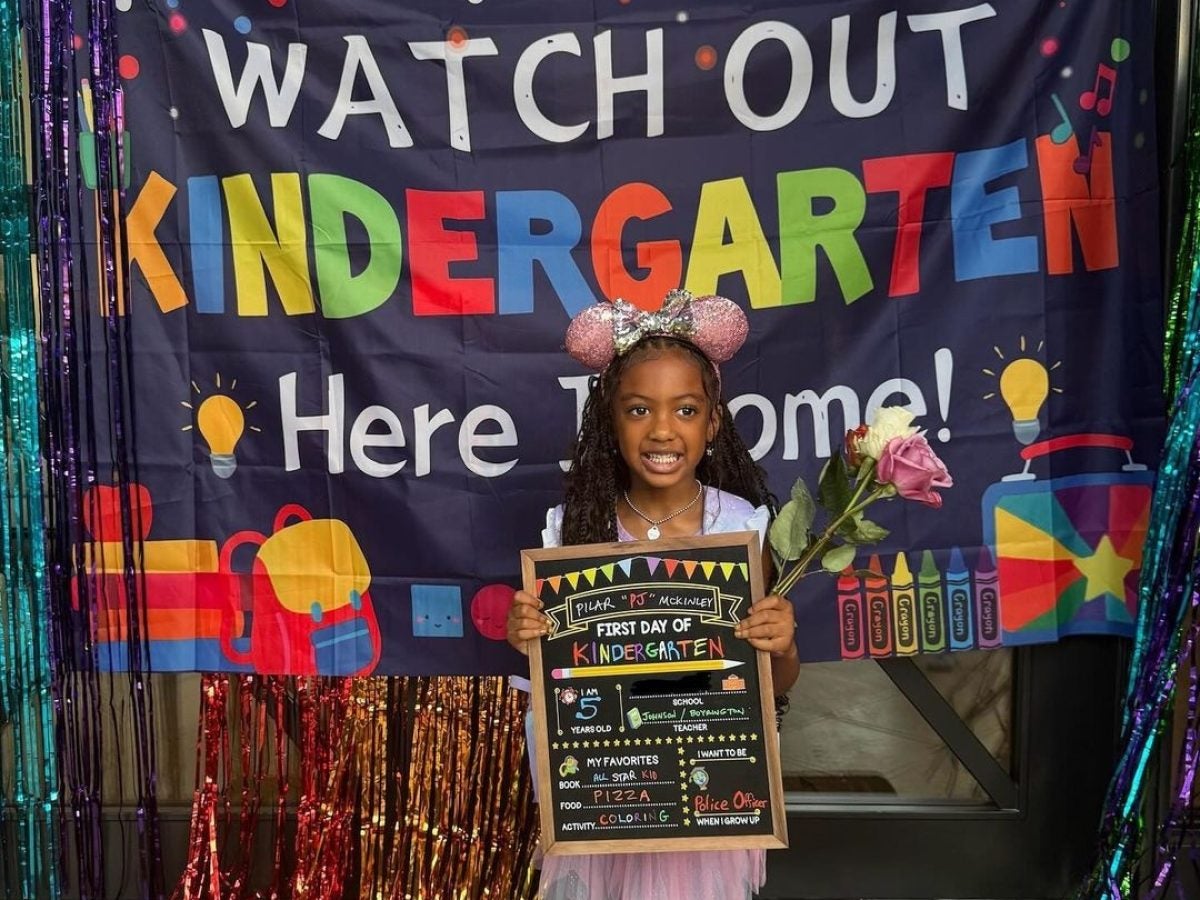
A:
[(598, 473)]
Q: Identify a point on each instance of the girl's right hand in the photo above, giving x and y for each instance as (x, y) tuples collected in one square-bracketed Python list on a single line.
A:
[(526, 621)]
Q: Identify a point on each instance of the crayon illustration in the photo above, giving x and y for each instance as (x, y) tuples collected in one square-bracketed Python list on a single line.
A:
[(850, 614), (987, 600), (933, 617), (958, 597), (879, 611), (904, 607)]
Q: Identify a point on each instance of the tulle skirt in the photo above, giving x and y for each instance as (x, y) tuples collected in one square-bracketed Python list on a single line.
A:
[(690, 875)]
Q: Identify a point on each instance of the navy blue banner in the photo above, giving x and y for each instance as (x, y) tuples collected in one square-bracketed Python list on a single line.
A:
[(358, 232)]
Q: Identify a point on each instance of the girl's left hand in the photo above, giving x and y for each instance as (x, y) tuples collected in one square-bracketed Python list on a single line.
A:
[(770, 625)]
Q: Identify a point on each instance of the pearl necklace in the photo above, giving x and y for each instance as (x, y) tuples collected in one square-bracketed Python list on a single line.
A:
[(653, 533)]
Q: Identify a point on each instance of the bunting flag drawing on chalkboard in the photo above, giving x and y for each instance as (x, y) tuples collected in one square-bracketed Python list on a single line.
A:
[(653, 563)]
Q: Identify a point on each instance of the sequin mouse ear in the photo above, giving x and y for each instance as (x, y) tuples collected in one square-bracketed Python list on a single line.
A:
[(719, 327), (590, 336)]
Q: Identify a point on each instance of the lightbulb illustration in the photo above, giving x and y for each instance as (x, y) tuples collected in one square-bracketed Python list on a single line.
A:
[(1024, 386), (220, 422)]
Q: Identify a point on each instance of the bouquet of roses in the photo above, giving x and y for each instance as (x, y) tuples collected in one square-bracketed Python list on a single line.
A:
[(887, 458)]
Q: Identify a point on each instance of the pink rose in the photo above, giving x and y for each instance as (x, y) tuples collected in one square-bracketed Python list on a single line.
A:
[(910, 464)]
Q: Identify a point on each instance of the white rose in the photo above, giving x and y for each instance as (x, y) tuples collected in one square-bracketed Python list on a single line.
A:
[(888, 422)]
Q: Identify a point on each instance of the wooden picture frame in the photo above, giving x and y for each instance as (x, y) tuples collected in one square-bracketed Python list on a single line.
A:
[(643, 782)]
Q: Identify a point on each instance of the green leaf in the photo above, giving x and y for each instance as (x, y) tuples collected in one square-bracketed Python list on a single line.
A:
[(801, 495), (869, 533), (790, 531), (862, 531), (849, 526), (838, 558), (835, 489)]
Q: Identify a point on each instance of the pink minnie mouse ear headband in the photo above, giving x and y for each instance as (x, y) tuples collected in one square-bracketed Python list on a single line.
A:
[(600, 333)]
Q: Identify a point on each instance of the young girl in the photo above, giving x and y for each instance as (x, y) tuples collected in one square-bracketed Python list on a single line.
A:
[(657, 456)]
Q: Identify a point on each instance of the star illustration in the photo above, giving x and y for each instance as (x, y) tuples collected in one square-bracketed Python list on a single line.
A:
[(1105, 571)]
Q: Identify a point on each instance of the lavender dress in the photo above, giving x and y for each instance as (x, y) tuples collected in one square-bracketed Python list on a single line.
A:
[(685, 875)]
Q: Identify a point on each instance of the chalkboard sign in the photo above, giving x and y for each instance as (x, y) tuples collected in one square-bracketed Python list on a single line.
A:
[(655, 725)]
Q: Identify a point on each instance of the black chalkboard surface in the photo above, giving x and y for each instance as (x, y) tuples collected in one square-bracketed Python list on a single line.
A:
[(655, 726)]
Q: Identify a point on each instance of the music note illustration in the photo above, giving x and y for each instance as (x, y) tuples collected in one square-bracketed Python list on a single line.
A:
[(1061, 133), (1083, 164), (1092, 99)]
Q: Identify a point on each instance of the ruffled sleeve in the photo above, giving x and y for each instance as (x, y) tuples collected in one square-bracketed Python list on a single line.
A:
[(552, 533), (759, 521)]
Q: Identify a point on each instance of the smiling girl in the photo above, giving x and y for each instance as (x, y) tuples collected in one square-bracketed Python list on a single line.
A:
[(657, 456)]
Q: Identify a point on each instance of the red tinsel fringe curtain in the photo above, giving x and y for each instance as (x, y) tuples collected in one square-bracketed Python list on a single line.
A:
[(324, 788)]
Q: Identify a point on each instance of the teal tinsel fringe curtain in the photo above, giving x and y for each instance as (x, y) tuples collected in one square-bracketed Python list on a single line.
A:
[(29, 789)]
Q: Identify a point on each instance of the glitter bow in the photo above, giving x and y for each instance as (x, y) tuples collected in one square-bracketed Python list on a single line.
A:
[(716, 325)]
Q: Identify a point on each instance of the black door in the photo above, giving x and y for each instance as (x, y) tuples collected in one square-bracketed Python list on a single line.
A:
[(965, 775)]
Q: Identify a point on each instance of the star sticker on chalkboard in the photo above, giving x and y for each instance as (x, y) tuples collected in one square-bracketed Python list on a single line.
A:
[(685, 798), (742, 737), (687, 821), (754, 737), (554, 746)]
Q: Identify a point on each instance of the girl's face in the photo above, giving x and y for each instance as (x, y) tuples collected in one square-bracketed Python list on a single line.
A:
[(663, 421)]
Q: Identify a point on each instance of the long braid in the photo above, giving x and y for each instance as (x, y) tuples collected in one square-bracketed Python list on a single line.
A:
[(592, 482), (598, 473), (731, 467)]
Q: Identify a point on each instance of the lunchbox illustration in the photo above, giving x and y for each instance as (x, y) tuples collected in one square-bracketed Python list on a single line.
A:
[(1068, 549)]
